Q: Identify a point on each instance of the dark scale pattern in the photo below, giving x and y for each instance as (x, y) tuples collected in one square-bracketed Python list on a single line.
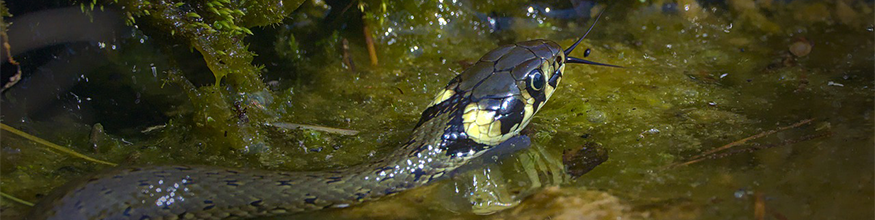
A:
[(452, 103), (554, 79), (454, 139), (417, 173), (461, 148), (511, 113), (310, 201), (538, 95)]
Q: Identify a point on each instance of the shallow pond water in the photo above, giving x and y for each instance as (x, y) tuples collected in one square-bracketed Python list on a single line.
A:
[(784, 91)]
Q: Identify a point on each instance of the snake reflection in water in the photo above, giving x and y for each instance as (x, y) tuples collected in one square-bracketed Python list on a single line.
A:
[(480, 112)]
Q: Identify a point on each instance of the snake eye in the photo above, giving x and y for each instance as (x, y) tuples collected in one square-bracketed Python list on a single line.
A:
[(536, 80)]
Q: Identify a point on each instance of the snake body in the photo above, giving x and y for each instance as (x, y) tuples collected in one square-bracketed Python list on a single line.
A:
[(486, 105)]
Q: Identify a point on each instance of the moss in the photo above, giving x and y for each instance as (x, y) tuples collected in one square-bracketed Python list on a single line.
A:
[(4, 13), (267, 12), (213, 28)]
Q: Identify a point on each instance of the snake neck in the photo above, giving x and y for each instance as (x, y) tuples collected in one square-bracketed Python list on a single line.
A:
[(436, 148)]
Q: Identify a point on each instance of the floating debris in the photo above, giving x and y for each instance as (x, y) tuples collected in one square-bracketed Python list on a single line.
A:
[(582, 160), (153, 128), (801, 47)]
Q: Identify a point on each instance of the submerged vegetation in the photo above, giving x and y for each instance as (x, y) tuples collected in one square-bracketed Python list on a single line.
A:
[(783, 89)]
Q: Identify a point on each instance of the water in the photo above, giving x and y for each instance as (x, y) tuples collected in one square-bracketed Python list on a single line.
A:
[(697, 76)]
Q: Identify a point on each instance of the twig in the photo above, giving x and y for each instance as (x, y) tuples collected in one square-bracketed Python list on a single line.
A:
[(755, 147), (347, 56), (758, 146), (712, 154), (759, 206), (763, 134), (10, 197), (370, 41), (315, 127), (348, 6), (52, 145), (17, 77)]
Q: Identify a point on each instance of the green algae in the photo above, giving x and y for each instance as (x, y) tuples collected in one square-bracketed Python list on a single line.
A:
[(694, 80)]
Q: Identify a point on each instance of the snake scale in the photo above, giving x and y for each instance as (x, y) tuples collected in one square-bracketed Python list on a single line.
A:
[(482, 110)]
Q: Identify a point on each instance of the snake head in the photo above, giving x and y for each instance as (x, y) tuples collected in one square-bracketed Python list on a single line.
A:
[(494, 99)]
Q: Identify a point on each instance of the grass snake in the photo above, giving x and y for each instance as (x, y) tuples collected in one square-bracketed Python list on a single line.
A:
[(480, 112)]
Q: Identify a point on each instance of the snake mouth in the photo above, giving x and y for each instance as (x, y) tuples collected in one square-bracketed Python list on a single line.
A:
[(570, 59)]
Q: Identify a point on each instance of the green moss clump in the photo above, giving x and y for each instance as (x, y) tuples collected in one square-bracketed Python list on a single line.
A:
[(216, 29)]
